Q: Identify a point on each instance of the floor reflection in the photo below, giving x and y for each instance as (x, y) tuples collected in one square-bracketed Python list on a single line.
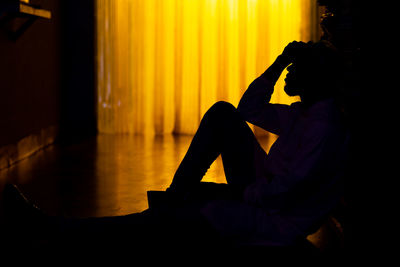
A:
[(106, 176)]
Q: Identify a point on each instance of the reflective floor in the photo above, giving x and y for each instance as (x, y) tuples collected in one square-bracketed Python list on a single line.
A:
[(104, 176)]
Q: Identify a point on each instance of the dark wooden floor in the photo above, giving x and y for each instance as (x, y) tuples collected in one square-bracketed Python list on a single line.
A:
[(107, 175), (104, 176)]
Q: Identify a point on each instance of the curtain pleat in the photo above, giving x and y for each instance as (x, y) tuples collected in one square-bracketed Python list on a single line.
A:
[(163, 63)]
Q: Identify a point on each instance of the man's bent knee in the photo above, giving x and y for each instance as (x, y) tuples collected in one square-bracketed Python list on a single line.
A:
[(222, 107), (220, 113)]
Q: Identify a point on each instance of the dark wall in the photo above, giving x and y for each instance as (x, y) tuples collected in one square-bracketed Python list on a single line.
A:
[(342, 30), (47, 74), (30, 78)]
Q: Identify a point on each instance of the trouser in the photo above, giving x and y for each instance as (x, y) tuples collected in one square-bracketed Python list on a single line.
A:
[(224, 132)]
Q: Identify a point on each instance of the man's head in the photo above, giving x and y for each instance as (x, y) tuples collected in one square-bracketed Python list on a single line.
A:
[(314, 73)]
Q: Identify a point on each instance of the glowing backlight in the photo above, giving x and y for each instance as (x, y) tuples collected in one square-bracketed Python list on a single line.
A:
[(163, 63)]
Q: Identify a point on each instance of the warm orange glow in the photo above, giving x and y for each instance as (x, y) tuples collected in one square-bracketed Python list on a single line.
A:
[(163, 63)]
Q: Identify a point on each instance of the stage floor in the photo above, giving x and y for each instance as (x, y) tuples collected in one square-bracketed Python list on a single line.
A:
[(107, 175)]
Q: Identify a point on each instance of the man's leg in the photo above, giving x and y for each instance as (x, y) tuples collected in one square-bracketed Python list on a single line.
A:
[(222, 131)]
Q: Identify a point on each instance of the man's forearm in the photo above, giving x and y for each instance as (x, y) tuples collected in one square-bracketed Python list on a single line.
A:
[(274, 71), (260, 90)]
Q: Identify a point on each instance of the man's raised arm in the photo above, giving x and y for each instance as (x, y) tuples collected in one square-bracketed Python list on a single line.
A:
[(254, 104)]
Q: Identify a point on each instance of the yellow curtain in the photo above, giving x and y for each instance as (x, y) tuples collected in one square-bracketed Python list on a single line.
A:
[(163, 63)]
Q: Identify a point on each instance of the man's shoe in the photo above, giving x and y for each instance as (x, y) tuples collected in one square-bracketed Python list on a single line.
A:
[(157, 199)]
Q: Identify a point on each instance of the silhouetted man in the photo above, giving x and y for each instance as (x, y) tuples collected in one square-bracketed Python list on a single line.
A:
[(270, 199), (274, 198)]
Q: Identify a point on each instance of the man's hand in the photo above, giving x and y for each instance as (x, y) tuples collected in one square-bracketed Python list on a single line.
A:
[(292, 51)]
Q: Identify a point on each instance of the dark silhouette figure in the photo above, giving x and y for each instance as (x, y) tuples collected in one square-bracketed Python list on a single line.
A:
[(272, 199)]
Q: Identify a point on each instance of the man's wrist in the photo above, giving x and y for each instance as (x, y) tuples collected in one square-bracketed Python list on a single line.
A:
[(283, 61)]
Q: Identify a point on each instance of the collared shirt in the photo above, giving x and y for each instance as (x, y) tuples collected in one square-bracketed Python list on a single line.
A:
[(300, 180)]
